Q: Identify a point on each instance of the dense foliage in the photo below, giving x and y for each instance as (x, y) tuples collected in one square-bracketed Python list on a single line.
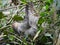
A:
[(48, 23)]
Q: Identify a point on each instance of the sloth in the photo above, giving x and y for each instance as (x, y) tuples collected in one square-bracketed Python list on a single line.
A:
[(27, 29), (29, 25)]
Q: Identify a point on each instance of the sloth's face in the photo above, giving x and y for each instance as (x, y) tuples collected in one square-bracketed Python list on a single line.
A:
[(15, 24)]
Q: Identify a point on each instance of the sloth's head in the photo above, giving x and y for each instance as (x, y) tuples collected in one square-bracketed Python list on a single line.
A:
[(15, 24)]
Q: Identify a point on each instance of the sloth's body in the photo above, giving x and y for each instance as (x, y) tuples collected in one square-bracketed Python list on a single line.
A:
[(20, 27), (29, 25), (31, 31), (27, 29), (33, 20)]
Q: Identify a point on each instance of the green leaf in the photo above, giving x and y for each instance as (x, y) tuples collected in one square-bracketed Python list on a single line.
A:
[(11, 30), (2, 15), (17, 18), (23, 1), (49, 20), (49, 1), (7, 44), (44, 39), (11, 37), (43, 14), (47, 7), (41, 20)]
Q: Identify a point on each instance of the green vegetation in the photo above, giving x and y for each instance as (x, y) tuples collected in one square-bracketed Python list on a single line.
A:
[(48, 23)]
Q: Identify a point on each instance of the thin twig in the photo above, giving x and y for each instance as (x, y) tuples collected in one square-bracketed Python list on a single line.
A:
[(11, 7), (4, 27)]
